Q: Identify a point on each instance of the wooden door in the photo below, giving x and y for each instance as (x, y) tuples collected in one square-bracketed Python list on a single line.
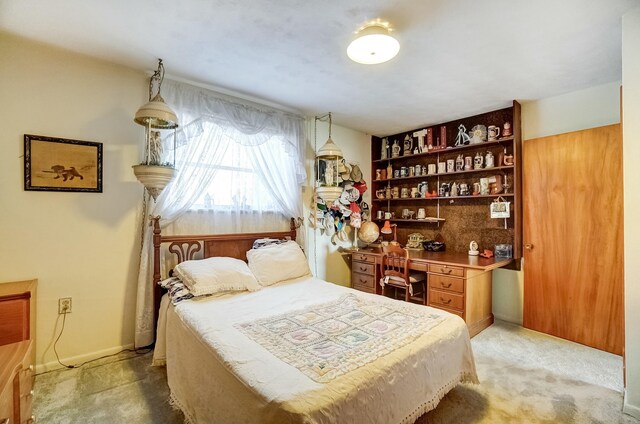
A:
[(573, 235)]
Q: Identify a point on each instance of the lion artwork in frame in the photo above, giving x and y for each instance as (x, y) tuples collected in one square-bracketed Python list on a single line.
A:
[(60, 164)]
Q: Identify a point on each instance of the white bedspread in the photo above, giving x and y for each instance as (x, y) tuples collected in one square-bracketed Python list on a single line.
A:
[(218, 375)]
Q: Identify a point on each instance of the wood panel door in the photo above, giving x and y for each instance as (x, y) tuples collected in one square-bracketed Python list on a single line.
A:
[(573, 237)]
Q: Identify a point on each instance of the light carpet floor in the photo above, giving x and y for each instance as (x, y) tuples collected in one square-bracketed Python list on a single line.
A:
[(526, 377)]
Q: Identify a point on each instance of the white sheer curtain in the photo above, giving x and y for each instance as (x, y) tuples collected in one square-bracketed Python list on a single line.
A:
[(274, 143)]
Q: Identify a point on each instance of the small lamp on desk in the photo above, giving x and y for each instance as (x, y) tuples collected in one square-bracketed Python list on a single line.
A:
[(389, 228)]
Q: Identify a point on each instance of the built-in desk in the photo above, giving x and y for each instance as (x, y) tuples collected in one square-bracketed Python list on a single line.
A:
[(457, 283)]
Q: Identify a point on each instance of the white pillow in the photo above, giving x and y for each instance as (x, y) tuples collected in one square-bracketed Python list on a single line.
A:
[(278, 262), (215, 275)]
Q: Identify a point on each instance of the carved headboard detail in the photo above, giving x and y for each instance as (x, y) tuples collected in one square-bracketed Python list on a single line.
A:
[(185, 248)]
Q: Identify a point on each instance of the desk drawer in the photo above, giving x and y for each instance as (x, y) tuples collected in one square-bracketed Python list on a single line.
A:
[(363, 268), (446, 270), (363, 282), (448, 300), (362, 257), (441, 282)]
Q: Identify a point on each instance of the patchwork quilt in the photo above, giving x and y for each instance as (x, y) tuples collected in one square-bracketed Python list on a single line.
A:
[(327, 340)]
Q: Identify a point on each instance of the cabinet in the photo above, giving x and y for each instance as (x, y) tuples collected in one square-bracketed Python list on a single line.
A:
[(363, 272), (418, 181), (17, 351)]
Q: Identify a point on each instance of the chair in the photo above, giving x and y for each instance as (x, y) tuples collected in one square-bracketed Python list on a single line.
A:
[(394, 272)]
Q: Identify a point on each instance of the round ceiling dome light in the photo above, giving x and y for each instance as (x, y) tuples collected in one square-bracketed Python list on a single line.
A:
[(373, 44)]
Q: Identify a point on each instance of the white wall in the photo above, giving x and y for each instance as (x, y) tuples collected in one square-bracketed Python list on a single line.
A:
[(79, 245), (356, 147), (593, 107), (631, 148)]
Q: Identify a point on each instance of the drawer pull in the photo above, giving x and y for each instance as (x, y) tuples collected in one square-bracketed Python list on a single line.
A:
[(446, 286), (446, 302), (363, 269), (446, 270), (363, 281)]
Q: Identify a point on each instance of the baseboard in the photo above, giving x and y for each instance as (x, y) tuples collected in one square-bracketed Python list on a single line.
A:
[(629, 409), (513, 320), (71, 360)]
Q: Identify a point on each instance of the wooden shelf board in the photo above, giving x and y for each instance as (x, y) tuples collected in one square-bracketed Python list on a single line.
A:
[(446, 198), (471, 171), (449, 149)]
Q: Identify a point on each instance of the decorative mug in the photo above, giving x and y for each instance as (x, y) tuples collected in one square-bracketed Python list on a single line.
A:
[(387, 215), (396, 173), (431, 169), (383, 174), (395, 192), (442, 167), (444, 190), (423, 187), (493, 132), (464, 189), (478, 161), (380, 194), (418, 170), (387, 193), (451, 165), (468, 163), (378, 174), (422, 214), (380, 214), (404, 193), (404, 172), (411, 171), (405, 213), (414, 192)]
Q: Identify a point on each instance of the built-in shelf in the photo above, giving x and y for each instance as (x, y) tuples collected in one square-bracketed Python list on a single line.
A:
[(444, 198), (449, 149), (471, 171), (427, 220)]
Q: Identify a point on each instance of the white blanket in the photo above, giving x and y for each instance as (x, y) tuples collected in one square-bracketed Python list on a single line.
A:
[(218, 375)]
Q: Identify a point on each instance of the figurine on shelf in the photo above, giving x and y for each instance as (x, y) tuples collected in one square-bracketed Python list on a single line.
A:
[(384, 153), (454, 189), (389, 171), (408, 145), (493, 132), (506, 130), (476, 189), (462, 138), (464, 189), (378, 174), (395, 149)]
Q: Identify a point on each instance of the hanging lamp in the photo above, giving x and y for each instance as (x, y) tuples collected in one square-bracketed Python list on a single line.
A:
[(156, 115)]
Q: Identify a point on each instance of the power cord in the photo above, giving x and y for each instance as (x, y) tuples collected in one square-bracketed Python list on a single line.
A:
[(141, 351)]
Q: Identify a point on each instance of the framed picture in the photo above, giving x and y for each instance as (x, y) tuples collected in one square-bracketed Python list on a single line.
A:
[(60, 164)]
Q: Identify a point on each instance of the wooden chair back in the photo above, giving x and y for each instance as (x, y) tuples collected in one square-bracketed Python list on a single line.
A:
[(395, 262)]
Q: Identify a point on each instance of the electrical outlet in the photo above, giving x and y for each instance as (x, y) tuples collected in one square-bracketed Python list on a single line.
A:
[(64, 305)]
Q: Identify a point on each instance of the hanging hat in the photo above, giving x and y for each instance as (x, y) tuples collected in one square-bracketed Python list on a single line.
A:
[(343, 170), (356, 173), (361, 186), (353, 194)]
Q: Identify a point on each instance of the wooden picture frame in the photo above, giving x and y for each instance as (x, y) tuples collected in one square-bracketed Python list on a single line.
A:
[(60, 164)]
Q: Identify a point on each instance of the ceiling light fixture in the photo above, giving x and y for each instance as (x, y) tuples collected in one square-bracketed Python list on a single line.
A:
[(373, 44)]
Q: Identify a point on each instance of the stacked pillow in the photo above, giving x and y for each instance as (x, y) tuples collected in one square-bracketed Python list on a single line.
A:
[(270, 262)]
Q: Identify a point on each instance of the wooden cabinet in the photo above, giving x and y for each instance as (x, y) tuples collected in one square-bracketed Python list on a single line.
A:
[(363, 272), (464, 292), (458, 217), (17, 351)]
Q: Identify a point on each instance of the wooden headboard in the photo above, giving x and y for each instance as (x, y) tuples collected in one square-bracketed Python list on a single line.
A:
[(185, 248)]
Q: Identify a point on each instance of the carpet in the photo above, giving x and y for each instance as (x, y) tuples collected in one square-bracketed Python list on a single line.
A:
[(526, 377)]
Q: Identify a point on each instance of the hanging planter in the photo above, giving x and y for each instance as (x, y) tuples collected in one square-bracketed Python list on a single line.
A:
[(154, 177), (156, 115)]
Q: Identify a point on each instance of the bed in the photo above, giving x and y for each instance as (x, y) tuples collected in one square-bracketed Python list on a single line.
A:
[(303, 350)]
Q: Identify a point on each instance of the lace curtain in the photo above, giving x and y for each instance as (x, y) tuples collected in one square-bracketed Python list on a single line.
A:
[(274, 144)]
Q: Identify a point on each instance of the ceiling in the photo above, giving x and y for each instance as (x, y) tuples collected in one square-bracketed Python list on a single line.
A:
[(457, 57)]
